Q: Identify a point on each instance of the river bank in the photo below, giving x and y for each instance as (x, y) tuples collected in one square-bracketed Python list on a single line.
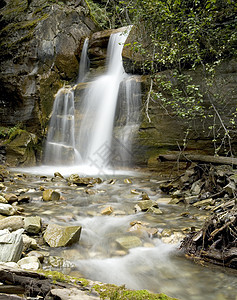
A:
[(130, 230)]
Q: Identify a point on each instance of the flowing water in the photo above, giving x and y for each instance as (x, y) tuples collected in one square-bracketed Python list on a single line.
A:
[(154, 264), (104, 137)]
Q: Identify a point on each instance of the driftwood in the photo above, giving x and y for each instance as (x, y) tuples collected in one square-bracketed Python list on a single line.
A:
[(220, 160), (216, 242), (33, 284)]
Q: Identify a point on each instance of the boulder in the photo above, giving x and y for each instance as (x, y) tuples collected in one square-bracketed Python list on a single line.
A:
[(50, 195), (12, 223), (11, 198), (11, 245), (7, 209), (76, 179), (61, 236), (144, 205), (3, 200), (32, 224), (72, 294), (29, 263), (29, 243), (129, 242)]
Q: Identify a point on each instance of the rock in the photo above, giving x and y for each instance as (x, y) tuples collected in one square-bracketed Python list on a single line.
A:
[(7, 209), (135, 192), (61, 236), (144, 205), (58, 262), (154, 210), (127, 180), (2, 186), (29, 243), (20, 150), (76, 179), (175, 238), (23, 199), (51, 195), (12, 223), (29, 263), (72, 294), (11, 198), (11, 245), (129, 242), (145, 196), (107, 211), (32, 224), (3, 200), (90, 192), (57, 174), (39, 254)]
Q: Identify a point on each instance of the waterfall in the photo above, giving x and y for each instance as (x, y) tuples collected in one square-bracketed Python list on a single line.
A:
[(110, 109)]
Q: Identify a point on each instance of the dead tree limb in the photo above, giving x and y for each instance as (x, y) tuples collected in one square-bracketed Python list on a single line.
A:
[(220, 160)]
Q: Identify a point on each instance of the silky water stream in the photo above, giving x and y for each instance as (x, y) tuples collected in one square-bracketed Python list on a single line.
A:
[(151, 263)]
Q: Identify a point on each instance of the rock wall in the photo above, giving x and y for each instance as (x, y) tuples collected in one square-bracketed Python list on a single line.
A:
[(39, 45), (40, 42), (161, 131)]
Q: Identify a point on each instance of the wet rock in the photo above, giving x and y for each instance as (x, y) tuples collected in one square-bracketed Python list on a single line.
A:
[(145, 196), (58, 262), (57, 174), (32, 224), (29, 263), (135, 192), (141, 228), (129, 242), (29, 243), (61, 236), (7, 209), (72, 294), (154, 210), (23, 199), (127, 180), (174, 238), (12, 223), (11, 198), (144, 205), (39, 254), (11, 245), (2, 186), (76, 179), (90, 192), (3, 200), (51, 195), (107, 211)]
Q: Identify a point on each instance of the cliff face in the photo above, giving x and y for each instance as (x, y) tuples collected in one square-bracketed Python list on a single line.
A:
[(39, 45)]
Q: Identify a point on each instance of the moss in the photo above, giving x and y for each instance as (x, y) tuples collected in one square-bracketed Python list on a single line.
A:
[(106, 291), (110, 291)]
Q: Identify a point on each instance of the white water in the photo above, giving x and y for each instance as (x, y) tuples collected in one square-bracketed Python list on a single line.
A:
[(96, 147)]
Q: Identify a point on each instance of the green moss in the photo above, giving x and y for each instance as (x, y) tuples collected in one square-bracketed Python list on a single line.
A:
[(110, 291), (107, 291)]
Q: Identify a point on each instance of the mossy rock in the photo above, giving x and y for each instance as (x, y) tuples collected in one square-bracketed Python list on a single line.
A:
[(21, 148)]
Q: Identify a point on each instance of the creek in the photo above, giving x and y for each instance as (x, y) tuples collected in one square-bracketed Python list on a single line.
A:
[(150, 258), (155, 264)]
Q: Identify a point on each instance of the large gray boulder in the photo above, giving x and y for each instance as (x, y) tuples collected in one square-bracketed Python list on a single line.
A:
[(11, 245)]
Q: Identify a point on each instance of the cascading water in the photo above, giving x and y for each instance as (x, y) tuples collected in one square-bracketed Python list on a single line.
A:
[(96, 144)]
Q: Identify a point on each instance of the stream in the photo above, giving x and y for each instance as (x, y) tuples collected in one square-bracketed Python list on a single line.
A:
[(154, 264)]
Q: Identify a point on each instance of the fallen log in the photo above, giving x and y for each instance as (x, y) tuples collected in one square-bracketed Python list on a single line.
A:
[(220, 160), (33, 284)]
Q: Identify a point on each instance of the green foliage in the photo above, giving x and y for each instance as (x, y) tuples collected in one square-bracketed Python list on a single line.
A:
[(180, 36), (10, 133)]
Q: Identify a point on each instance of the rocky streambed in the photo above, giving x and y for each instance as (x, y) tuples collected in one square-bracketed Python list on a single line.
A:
[(121, 229)]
